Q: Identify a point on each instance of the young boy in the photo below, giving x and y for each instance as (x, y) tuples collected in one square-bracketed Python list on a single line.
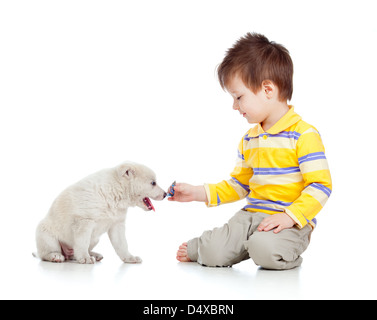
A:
[(281, 167)]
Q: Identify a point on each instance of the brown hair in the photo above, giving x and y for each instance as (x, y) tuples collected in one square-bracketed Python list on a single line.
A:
[(256, 59)]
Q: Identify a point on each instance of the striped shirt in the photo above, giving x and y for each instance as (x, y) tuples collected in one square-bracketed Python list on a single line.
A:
[(281, 170)]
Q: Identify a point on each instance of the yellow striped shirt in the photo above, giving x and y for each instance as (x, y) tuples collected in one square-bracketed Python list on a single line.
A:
[(281, 170)]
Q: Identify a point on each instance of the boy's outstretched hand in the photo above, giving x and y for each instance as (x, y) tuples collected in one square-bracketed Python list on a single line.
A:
[(184, 192), (280, 221)]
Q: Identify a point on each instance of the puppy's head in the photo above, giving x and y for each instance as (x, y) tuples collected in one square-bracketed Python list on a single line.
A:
[(140, 185)]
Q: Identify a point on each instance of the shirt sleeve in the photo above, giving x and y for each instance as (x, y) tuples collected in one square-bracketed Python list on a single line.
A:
[(234, 189), (317, 179)]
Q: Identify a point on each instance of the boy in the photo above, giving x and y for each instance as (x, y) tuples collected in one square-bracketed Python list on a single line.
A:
[(281, 167)]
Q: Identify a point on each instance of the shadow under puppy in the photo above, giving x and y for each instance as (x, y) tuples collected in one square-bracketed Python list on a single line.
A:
[(93, 206)]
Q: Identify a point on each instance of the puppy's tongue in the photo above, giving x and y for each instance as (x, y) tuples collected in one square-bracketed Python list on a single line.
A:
[(149, 204)]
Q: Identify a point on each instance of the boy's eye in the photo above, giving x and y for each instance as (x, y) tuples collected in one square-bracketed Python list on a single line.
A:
[(153, 183), (239, 98)]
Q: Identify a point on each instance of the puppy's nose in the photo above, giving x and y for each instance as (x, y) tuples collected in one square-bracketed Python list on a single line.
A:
[(165, 194)]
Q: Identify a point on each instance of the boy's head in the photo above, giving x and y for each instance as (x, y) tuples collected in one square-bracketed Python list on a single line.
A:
[(255, 59)]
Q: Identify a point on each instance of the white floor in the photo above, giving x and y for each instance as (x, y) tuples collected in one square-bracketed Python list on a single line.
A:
[(110, 279), (331, 270)]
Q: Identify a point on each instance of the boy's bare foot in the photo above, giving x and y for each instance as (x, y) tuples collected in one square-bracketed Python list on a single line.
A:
[(182, 255)]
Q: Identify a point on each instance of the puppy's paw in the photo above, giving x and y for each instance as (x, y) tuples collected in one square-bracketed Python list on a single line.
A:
[(132, 259), (96, 256), (87, 260), (55, 257)]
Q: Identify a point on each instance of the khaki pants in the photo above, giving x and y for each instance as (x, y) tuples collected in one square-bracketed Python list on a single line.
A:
[(239, 240)]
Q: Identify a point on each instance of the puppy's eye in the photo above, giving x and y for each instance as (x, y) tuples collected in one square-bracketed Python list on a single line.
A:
[(153, 183)]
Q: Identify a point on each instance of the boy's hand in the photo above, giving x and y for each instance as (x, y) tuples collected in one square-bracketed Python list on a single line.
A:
[(280, 221), (184, 192)]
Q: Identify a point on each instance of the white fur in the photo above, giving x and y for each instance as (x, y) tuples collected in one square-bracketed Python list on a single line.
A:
[(93, 206)]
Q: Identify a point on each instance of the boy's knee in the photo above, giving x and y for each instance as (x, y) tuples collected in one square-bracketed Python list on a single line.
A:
[(269, 255), (262, 253)]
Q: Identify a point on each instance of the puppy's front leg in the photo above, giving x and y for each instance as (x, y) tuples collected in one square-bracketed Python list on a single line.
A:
[(117, 235), (82, 231)]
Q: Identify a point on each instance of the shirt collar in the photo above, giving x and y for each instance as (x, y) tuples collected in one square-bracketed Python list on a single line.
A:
[(289, 119)]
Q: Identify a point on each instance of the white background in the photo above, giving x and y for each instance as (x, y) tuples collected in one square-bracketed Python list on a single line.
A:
[(85, 85)]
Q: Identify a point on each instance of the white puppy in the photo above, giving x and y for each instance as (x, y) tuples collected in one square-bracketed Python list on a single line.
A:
[(93, 206)]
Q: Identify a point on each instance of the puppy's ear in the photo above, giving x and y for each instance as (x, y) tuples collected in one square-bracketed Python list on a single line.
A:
[(127, 170)]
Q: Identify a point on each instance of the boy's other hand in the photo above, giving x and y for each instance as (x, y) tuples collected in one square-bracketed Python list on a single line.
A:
[(280, 221), (184, 192)]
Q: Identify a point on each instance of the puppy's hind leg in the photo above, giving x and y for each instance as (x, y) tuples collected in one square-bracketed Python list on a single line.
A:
[(48, 246)]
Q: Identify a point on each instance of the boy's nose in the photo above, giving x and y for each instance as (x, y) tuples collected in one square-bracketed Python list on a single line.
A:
[(236, 105)]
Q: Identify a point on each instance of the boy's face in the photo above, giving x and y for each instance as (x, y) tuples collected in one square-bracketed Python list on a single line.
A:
[(250, 105)]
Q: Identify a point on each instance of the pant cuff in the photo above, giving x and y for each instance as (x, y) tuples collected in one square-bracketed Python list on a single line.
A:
[(192, 249)]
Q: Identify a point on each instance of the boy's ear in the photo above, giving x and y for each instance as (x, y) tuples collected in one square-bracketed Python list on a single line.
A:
[(269, 88), (127, 170)]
